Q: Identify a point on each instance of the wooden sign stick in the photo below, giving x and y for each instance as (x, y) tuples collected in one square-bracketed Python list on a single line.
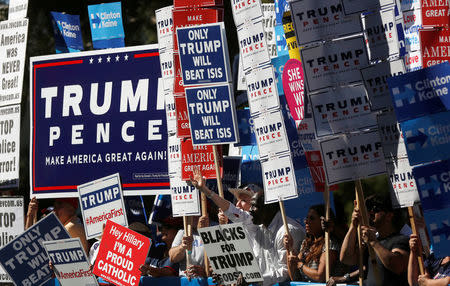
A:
[(414, 230)]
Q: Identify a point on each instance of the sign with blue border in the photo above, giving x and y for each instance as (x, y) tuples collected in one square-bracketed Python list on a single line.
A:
[(106, 25), (212, 115), (24, 258), (421, 92), (203, 54), (427, 138), (97, 111)]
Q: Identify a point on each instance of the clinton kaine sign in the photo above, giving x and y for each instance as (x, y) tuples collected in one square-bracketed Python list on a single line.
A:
[(97, 113)]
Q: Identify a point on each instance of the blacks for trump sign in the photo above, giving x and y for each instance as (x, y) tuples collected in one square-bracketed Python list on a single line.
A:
[(97, 111)]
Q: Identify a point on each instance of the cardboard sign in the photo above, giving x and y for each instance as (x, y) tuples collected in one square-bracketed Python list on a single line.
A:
[(391, 136), (212, 114), (201, 156), (438, 226), (174, 156), (435, 13), (167, 64), (334, 63), (434, 46), (25, 259), (204, 54), (171, 112), (101, 200), (164, 27), (279, 179), (404, 189), (342, 110), (185, 198), (121, 253), (294, 88), (97, 110), (351, 157), (192, 17), (229, 251), (252, 45), (183, 126), (355, 6), (427, 138), (67, 30), (420, 92), (262, 91), (11, 224), (269, 22), (246, 11), (412, 22), (380, 32), (271, 134), (433, 182), (106, 25), (12, 52), (318, 20), (70, 262), (413, 61), (9, 142), (17, 9), (374, 77)]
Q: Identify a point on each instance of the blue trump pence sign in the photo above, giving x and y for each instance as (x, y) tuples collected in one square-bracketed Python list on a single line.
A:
[(427, 138), (203, 54), (212, 115), (97, 113)]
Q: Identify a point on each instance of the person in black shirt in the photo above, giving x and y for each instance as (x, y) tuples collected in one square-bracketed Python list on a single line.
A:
[(390, 247)]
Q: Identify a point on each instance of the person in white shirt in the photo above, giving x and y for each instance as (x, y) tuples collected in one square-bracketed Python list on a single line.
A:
[(264, 225)]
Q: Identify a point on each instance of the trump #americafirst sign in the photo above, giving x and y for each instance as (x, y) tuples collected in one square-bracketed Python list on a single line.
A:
[(97, 111)]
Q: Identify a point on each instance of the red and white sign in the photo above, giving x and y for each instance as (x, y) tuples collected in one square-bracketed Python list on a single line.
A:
[(279, 179), (196, 3), (412, 22), (164, 26), (198, 157), (252, 45), (270, 134), (435, 46), (317, 170), (435, 13), (262, 90), (294, 88), (404, 191), (121, 253), (184, 197), (183, 127), (246, 11), (178, 88), (174, 156), (413, 61), (192, 17), (351, 157)]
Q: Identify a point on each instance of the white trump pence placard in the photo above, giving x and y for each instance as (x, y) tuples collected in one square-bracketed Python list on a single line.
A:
[(279, 179), (101, 200), (271, 134)]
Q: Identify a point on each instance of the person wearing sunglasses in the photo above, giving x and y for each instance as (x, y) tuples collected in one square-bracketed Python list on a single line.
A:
[(390, 247)]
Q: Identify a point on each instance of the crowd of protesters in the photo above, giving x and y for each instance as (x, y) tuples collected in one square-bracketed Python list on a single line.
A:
[(299, 255)]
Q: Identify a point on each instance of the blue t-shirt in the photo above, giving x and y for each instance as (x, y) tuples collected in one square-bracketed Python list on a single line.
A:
[(435, 269)]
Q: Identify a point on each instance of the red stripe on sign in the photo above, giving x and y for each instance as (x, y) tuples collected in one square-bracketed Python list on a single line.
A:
[(166, 184), (75, 62), (146, 55), (55, 188)]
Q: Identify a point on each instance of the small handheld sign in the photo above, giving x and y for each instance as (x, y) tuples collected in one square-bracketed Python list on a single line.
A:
[(404, 189), (212, 114), (279, 179), (201, 156), (294, 88), (121, 253), (101, 200), (70, 262), (185, 198), (230, 243), (434, 45), (10, 142)]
